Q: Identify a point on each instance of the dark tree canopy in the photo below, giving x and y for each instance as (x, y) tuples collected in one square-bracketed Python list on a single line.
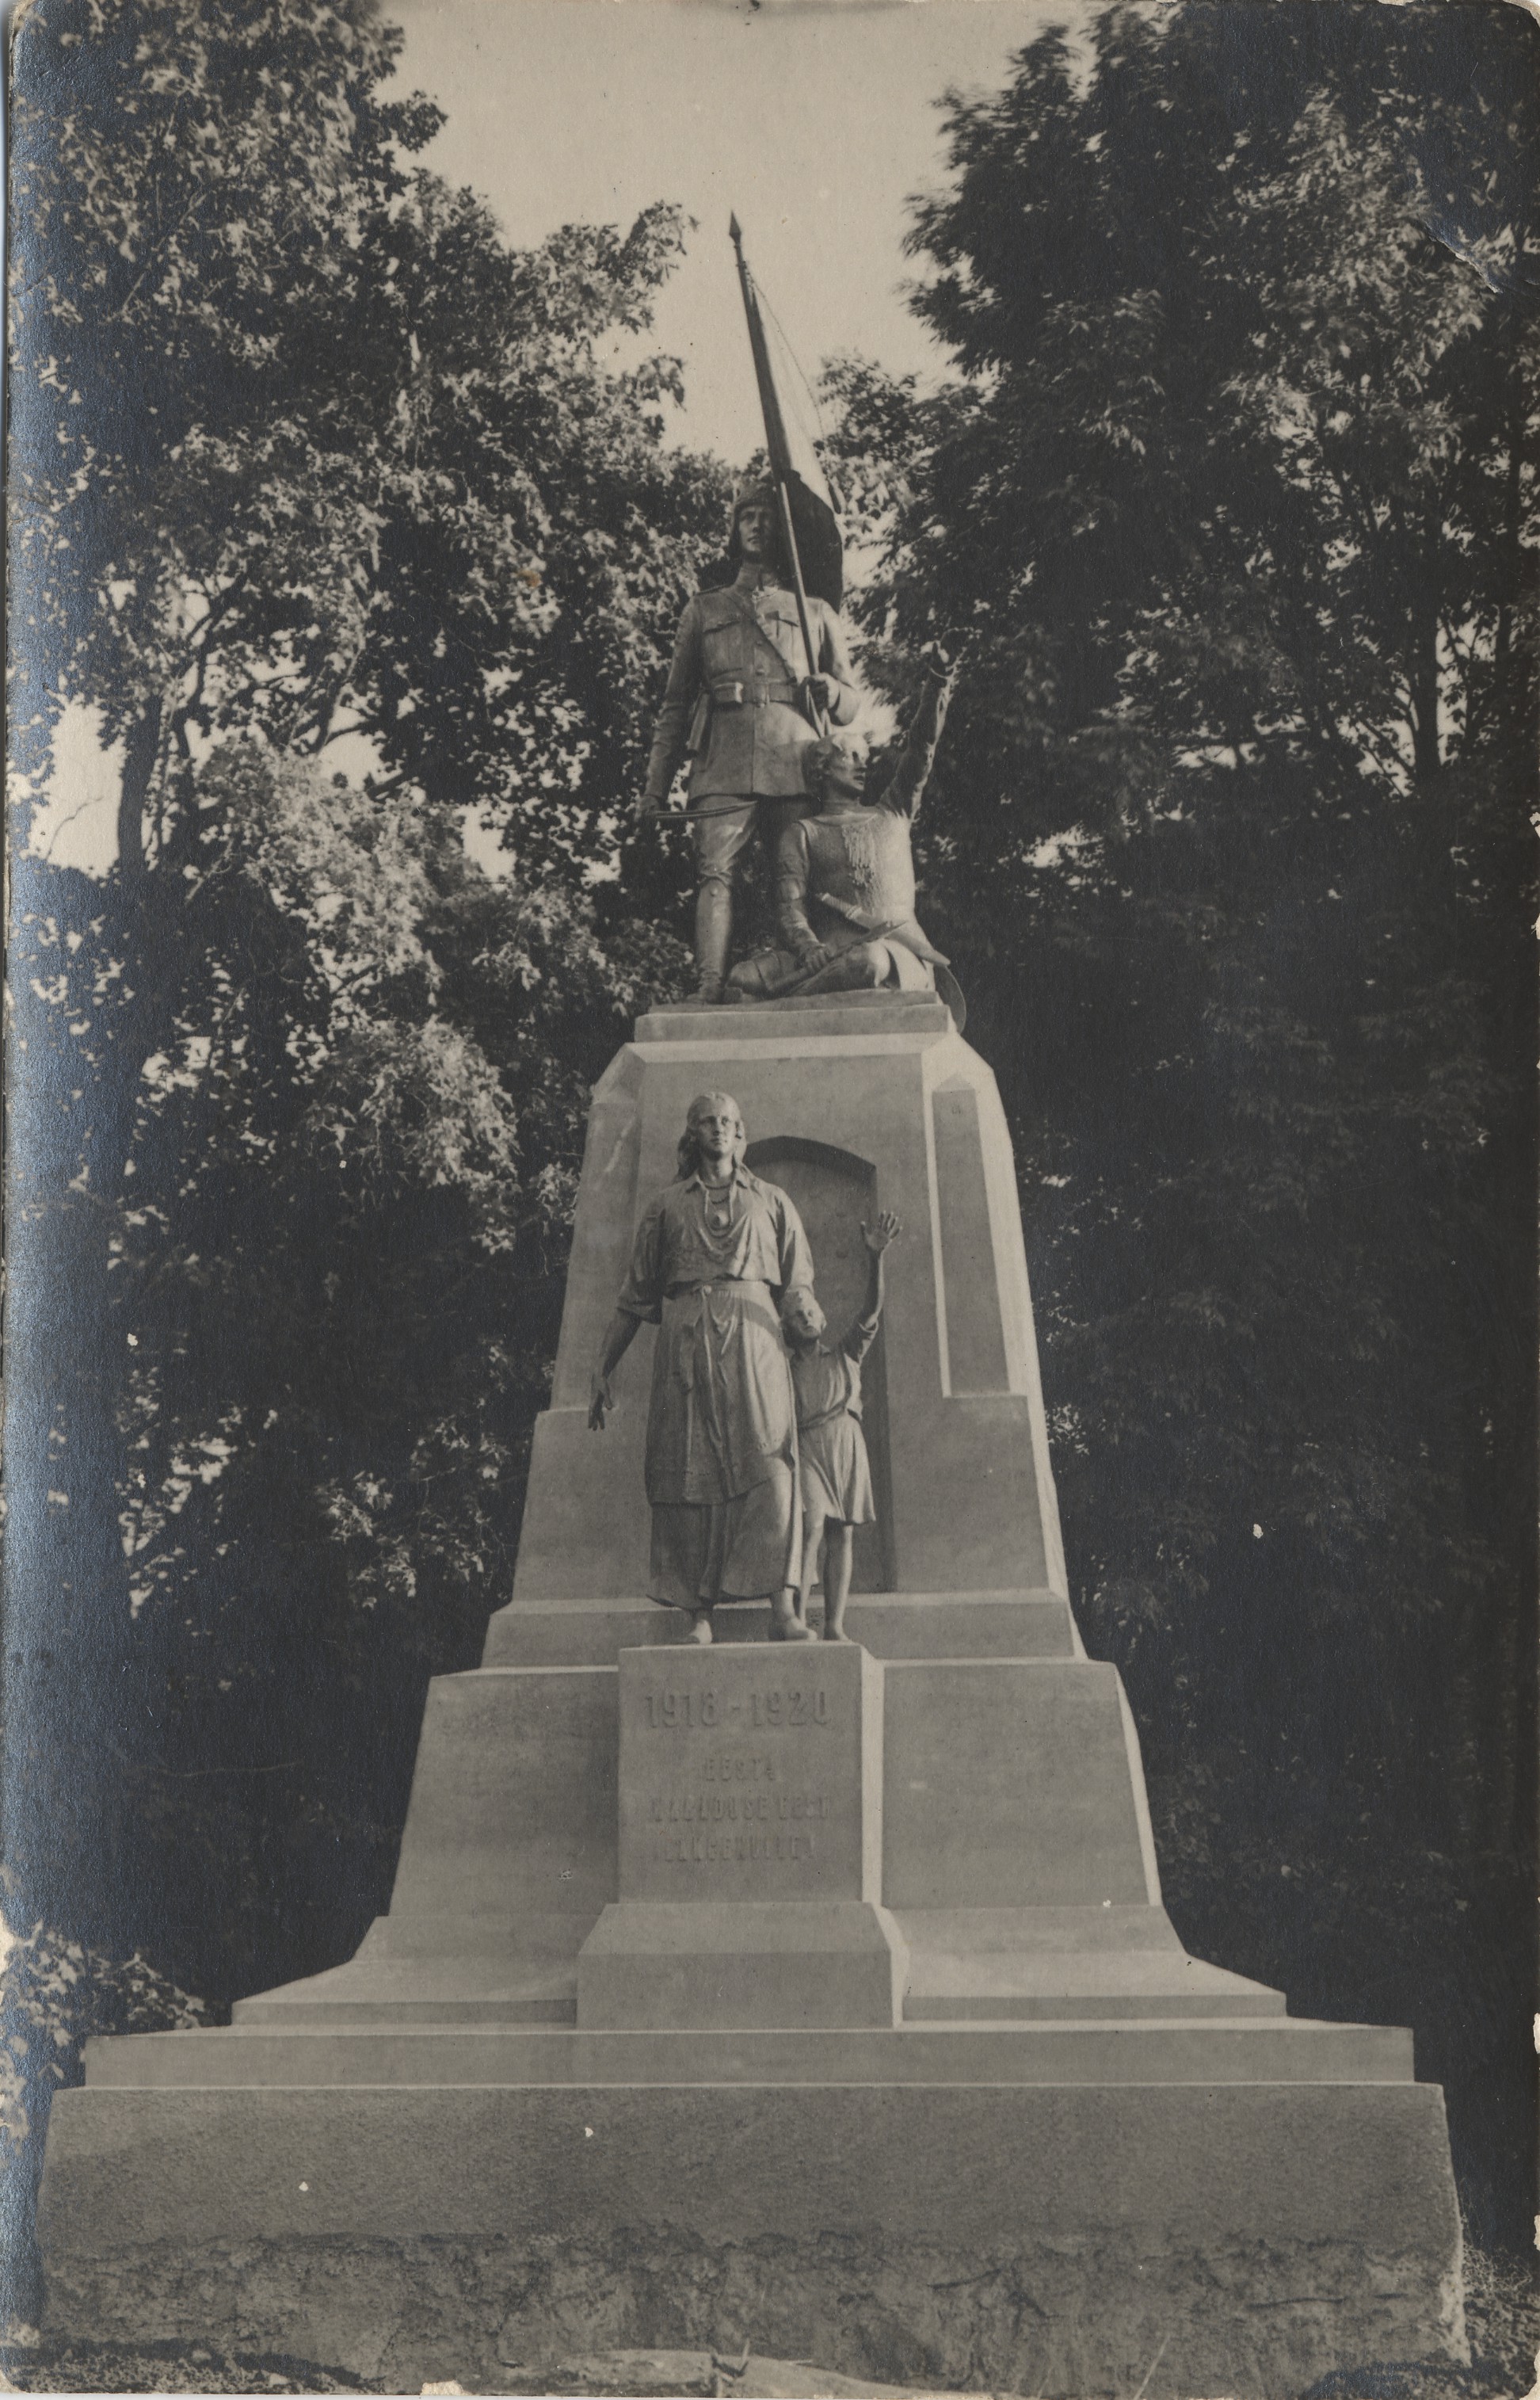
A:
[(302, 452), (1234, 493)]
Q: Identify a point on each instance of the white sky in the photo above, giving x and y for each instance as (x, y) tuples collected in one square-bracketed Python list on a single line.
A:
[(814, 119)]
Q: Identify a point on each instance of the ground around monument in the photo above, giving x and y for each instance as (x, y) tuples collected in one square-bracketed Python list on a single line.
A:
[(617, 2375), (1502, 2310)]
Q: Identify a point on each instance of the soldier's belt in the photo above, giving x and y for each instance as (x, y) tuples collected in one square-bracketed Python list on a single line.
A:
[(739, 694)]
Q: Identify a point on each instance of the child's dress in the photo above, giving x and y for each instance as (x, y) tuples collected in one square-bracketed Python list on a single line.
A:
[(837, 1479)]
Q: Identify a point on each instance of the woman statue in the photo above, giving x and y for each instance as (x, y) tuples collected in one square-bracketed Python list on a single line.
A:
[(716, 1255)]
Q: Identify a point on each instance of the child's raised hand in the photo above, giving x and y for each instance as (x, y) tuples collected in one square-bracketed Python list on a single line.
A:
[(877, 1236)]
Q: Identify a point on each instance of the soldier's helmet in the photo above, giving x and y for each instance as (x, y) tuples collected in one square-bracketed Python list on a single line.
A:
[(755, 491)]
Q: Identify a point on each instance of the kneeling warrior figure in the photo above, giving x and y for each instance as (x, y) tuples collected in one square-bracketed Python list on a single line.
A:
[(845, 889)]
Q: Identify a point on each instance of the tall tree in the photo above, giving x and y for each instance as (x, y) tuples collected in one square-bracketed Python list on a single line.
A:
[(301, 449), (1234, 488)]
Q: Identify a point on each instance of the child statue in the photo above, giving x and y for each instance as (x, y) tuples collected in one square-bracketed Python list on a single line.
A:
[(836, 1476)]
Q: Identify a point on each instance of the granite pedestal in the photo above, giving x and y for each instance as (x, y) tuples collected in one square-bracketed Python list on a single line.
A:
[(822, 1998), (750, 1853)]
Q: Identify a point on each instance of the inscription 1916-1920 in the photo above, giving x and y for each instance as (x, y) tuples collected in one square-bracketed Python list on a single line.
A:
[(678, 1711)]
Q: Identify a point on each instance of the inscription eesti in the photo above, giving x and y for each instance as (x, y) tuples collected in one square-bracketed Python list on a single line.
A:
[(732, 1815)]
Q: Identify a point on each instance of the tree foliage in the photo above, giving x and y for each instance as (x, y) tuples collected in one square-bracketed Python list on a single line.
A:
[(303, 447), (327, 502), (55, 1995), (1234, 487)]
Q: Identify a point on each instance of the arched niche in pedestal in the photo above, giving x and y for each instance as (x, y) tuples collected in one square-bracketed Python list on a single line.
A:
[(834, 1191)]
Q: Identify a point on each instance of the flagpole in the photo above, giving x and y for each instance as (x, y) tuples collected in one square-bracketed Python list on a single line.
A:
[(777, 447)]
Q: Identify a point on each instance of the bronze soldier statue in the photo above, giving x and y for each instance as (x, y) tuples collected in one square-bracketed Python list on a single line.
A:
[(845, 887), (740, 702)]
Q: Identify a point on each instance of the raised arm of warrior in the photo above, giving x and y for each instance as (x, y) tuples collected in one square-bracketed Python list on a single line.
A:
[(903, 793)]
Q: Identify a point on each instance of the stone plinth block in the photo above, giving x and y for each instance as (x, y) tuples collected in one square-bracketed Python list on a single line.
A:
[(791, 1965), (750, 1844), (512, 1808), (889, 1624), (876, 1104), (751, 1774), (1013, 1783)]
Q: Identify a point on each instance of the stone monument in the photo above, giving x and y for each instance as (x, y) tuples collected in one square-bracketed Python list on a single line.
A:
[(818, 1996)]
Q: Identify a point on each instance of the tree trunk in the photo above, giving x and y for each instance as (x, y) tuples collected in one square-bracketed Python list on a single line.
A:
[(1423, 675), (1512, 687), (141, 750)]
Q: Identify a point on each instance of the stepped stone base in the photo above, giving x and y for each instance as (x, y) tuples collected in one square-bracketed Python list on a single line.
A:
[(1066, 2050), (820, 2000), (648, 1967)]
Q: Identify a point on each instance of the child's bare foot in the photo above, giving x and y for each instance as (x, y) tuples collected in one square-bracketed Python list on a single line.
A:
[(785, 1625), (835, 1634), (700, 1627)]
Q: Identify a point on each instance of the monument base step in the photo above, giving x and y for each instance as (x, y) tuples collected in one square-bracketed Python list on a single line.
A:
[(1123, 1962), (1205, 2050), (439, 1972), (1134, 1984), (1058, 1964), (656, 1966), (453, 1991), (889, 1624), (1058, 2238)]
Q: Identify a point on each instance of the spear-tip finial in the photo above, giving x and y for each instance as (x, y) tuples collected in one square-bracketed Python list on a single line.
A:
[(735, 232)]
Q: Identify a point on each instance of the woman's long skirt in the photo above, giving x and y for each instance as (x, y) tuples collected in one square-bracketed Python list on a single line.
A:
[(721, 1449)]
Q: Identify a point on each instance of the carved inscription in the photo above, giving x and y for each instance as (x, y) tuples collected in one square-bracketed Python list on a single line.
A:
[(668, 1710), (732, 1805)]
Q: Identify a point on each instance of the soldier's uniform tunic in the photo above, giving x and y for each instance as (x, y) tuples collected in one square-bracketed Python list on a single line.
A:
[(732, 703)]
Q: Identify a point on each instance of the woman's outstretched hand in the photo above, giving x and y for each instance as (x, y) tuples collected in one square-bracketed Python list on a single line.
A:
[(877, 1236)]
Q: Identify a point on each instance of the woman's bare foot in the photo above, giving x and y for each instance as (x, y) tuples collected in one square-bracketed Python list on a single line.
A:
[(700, 1627)]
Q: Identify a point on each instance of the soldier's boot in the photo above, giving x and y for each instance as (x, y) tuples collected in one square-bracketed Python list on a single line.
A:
[(866, 968), (712, 933)]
